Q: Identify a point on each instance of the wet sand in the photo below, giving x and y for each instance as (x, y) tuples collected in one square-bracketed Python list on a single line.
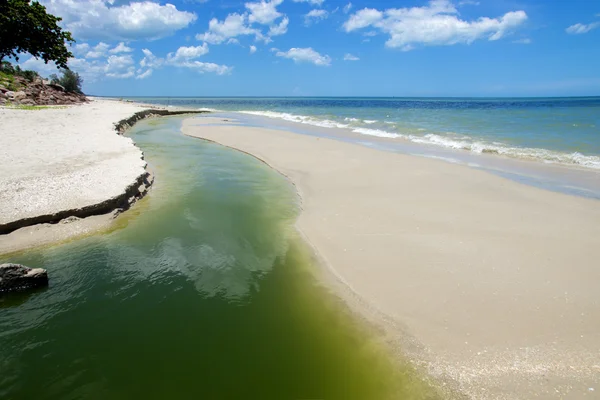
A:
[(494, 283)]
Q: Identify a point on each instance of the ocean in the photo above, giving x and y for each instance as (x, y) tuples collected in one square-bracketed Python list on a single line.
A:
[(552, 143)]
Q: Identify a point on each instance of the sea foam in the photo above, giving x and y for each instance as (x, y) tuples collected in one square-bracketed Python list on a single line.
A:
[(447, 140)]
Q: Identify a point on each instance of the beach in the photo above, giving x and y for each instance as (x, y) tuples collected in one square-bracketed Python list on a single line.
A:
[(495, 282), (66, 171), (487, 285)]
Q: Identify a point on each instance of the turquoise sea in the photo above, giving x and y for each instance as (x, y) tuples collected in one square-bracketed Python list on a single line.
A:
[(554, 130), (552, 143)]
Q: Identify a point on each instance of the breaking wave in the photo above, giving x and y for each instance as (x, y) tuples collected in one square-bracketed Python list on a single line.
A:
[(447, 140)]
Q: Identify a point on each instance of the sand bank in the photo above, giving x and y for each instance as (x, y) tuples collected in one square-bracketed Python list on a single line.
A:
[(63, 164), (498, 282)]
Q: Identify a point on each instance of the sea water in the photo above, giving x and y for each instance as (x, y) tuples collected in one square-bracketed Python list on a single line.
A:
[(201, 291), (552, 143)]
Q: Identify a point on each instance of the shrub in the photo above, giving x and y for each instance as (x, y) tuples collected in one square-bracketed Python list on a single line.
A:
[(70, 80)]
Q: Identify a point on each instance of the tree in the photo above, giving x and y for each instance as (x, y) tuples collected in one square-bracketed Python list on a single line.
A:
[(26, 27), (70, 80)]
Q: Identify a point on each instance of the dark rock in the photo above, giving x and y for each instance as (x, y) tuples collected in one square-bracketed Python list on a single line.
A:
[(17, 277)]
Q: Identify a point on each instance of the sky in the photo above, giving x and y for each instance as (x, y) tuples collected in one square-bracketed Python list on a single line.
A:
[(397, 48)]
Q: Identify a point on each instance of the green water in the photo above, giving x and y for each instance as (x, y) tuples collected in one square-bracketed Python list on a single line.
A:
[(202, 292)]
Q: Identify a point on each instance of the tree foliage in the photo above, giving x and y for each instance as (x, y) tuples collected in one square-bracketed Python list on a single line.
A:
[(70, 80), (25, 26)]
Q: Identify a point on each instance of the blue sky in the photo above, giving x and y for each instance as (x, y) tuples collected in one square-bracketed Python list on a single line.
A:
[(333, 47)]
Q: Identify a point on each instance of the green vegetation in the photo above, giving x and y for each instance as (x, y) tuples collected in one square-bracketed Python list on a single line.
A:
[(26, 27), (70, 80), (31, 108)]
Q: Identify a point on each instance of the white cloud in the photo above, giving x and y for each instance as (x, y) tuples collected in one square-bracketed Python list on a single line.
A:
[(203, 67), (305, 55), (38, 65), (98, 51), (350, 57), (150, 60), (242, 24), (264, 12), (347, 8), (315, 16), (184, 58), (281, 29), (144, 75), (468, 3), (187, 53), (120, 66), (99, 19), (436, 24), (81, 49), (522, 41), (234, 25), (578, 29), (252, 49), (314, 2), (121, 48)]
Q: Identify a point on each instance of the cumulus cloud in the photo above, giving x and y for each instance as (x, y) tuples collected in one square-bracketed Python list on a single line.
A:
[(350, 57), (98, 51), (252, 49), (150, 60), (315, 16), (120, 66), (184, 57), (436, 24), (121, 48), (314, 2), (305, 55), (263, 12), (100, 19), (578, 29), (144, 74), (187, 53), (243, 24), (281, 29), (234, 25), (80, 49)]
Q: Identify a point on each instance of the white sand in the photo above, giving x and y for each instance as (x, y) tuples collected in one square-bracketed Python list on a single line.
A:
[(64, 158), (498, 282)]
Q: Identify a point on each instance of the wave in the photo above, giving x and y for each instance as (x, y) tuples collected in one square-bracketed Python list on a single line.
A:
[(448, 140), (303, 119)]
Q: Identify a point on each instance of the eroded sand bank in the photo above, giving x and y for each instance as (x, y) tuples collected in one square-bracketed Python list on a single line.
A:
[(62, 160), (497, 281)]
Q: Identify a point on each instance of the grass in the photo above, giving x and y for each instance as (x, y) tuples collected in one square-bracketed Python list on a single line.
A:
[(30, 107), (8, 81)]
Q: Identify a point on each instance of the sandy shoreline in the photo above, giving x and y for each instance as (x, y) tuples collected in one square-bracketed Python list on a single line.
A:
[(495, 280), (67, 164)]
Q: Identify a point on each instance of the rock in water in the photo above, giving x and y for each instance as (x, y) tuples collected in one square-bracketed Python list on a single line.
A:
[(17, 277)]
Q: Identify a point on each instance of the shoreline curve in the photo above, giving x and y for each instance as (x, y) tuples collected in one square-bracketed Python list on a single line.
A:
[(96, 204)]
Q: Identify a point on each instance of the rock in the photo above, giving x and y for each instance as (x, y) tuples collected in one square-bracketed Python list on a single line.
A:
[(27, 102), (17, 277), (3, 89), (57, 87), (10, 94), (19, 95)]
